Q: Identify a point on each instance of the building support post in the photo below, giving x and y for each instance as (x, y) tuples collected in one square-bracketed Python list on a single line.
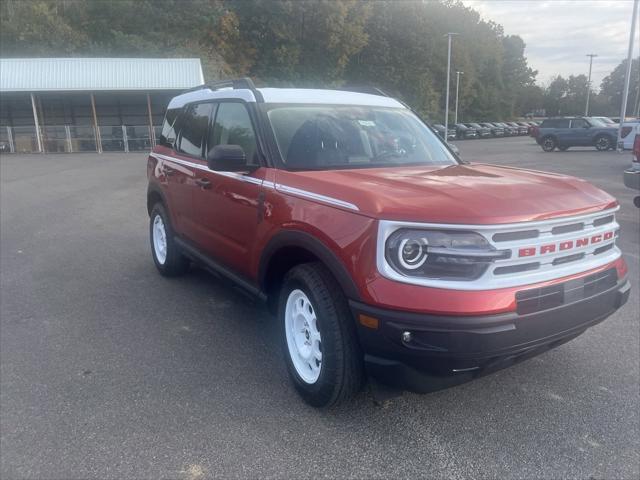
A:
[(12, 147), (152, 133), (95, 125), (36, 123), (125, 139), (67, 132)]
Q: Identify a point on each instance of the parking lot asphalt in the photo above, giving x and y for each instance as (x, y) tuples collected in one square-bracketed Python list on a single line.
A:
[(108, 370)]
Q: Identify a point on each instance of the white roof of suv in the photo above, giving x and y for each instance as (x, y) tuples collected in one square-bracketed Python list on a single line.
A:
[(289, 95)]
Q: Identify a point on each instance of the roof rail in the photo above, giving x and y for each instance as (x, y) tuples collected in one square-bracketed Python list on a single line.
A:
[(235, 83)]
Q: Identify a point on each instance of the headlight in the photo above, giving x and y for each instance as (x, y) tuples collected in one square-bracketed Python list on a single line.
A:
[(446, 255)]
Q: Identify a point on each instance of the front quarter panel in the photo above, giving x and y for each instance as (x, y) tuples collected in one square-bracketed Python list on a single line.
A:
[(348, 235)]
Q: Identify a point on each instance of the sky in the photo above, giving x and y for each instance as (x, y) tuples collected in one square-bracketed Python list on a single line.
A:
[(559, 33)]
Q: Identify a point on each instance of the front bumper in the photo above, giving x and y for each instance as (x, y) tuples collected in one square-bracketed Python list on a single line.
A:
[(632, 178), (448, 350)]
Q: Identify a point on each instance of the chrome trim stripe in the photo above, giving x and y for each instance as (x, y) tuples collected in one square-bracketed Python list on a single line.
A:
[(198, 166), (315, 196), (265, 183)]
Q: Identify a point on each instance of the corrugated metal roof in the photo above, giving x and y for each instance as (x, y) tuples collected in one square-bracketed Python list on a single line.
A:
[(92, 74)]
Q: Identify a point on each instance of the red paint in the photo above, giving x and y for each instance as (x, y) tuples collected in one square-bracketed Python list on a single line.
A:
[(547, 249), (233, 220), (566, 245)]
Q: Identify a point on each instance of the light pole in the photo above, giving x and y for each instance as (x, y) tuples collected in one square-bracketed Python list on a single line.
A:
[(586, 108), (627, 77), (457, 89), (446, 106)]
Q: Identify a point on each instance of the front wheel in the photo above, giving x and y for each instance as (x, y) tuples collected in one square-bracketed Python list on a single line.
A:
[(548, 144), (603, 143), (167, 257), (318, 337)]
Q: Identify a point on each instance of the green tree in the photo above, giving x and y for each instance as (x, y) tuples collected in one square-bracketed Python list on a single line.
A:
[(613, 84), (303, 42)]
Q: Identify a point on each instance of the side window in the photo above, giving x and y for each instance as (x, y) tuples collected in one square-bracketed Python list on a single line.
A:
[(194, 121), (233, 127), (578, 123), (563, 123), (168, 135)]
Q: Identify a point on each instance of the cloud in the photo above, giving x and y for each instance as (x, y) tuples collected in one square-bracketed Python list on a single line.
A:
[(560, 33)]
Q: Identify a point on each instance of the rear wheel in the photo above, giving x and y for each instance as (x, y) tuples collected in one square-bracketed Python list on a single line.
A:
[(318, 337), (548, 144), (603, 143), (167, 257)]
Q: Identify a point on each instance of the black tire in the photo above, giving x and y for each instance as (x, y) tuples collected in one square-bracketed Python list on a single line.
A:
[(175, 263), (563, 148), (548, 144), (341, 371), (603, 143)]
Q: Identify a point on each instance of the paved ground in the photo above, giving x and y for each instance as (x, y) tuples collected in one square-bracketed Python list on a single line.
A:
[(110, 371)]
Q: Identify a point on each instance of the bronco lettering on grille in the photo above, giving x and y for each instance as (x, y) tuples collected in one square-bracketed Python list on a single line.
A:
[(566, 245)]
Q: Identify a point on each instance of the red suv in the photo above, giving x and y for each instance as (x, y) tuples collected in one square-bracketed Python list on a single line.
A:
[(383, 254)]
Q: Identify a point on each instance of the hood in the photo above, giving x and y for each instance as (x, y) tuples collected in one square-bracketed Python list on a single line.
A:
[(473, 194)]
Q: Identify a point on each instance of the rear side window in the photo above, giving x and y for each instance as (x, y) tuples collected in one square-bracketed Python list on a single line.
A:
[(195, 123), (168, 135), (555, 123)]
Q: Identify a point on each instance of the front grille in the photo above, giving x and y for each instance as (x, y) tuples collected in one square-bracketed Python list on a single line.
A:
[(538, 299), (554, 248)]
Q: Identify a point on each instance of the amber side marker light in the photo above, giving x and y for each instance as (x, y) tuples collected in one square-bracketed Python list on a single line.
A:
[(367, 321)]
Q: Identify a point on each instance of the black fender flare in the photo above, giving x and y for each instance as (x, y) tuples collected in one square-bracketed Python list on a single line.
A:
[(154, 189), (297, 238)]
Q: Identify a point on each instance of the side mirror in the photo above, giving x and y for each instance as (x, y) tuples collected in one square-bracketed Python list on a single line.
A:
[(587, 126), (454, 149), (227, 158)]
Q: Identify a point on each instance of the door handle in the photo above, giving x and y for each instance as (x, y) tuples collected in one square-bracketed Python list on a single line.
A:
[(203, 183)]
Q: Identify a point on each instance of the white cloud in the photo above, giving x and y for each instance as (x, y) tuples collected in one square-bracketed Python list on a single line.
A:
[(560, 33)]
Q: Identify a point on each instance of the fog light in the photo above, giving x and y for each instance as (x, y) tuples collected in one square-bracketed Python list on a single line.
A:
[(406, 337)]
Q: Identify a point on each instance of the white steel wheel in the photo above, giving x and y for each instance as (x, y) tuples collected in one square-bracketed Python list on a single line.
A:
[(159, 234), (304, 343)]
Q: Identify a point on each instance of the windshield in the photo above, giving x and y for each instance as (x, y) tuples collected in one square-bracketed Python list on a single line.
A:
[(321, 137)]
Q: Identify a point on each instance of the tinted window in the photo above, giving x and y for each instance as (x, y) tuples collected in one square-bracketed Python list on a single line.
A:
[(195, 122), (168, 135), (555, 123), (233, 127), (578, 123)]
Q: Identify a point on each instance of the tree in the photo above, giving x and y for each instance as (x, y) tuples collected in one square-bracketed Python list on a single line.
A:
[(613, 84), (302, 42)]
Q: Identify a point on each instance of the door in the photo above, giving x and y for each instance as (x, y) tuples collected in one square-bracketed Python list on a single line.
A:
[(227, 204), (579, 132), (562, 131), (192, 127)]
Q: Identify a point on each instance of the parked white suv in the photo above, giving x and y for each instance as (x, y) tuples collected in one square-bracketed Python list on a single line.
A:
[(628, 131)]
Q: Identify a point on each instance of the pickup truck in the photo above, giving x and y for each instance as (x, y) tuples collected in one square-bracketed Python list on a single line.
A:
[(632, 174), (381, 253)]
